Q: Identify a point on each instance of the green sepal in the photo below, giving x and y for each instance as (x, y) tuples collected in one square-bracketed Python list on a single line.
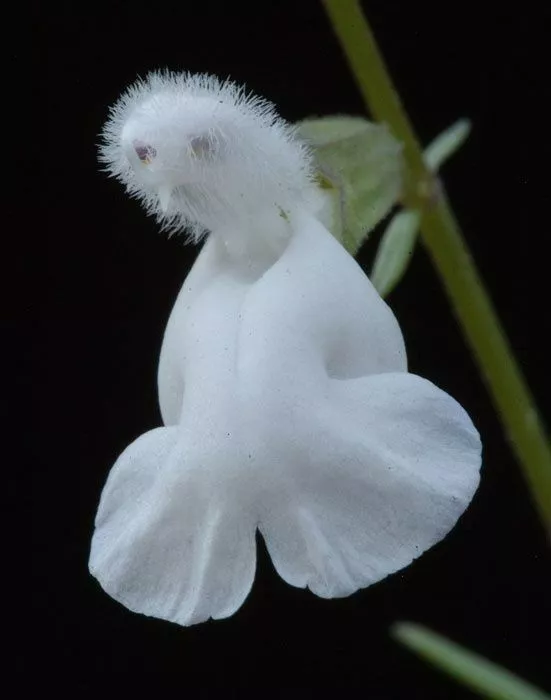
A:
[(446, 144), (398, 241), (360, 169), (395, 251)]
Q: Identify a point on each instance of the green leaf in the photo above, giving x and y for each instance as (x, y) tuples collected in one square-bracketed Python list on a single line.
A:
[(360, 169), (479, 674), (446, 144), (395, 251)]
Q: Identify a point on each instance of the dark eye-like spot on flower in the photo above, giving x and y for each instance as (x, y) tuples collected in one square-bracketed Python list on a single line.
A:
[(202, 146), (144, 151)]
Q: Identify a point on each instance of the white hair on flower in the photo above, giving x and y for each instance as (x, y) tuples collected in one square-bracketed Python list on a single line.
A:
[(188, 146), (283, 386)]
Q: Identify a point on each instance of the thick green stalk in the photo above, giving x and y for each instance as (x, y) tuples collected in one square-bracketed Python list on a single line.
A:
[(444, 241)]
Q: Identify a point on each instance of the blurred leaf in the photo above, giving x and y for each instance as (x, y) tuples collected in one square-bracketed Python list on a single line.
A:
[(360, 169), (395, 250), (474, 671), (446, 144)]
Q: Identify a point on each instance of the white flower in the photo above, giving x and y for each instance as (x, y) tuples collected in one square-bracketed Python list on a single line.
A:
[(283, 384)]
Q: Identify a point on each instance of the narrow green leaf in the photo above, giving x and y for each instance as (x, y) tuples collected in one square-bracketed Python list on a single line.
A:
[(360, 169), (446, 144), (395, 251), (479, 674)]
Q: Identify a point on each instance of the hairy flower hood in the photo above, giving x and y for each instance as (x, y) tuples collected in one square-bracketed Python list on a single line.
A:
[(283, 385)]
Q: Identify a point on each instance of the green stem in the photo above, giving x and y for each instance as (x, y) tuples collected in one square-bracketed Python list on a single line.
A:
[(444, 241)]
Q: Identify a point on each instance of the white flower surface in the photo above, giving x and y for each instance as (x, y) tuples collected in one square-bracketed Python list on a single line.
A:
[(283, 385)]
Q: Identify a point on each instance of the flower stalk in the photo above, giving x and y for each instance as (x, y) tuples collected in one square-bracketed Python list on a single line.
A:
[(446, 245)]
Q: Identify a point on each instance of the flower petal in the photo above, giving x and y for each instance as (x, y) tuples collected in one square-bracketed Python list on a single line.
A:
[(170, 376), (168, 544), (313, 309), (386, 478)]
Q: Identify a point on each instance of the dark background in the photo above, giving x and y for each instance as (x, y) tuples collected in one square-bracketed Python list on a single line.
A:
[(104, 282)]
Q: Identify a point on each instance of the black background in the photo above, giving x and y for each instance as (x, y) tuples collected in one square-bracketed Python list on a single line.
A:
[(103, 285)]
